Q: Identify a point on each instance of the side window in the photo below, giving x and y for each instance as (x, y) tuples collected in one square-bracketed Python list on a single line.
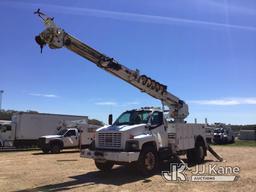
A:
[(5, 128), (157, 119), (70, 133), (145, 117)]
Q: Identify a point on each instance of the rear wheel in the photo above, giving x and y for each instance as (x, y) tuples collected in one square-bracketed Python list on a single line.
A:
[(104, 166), (148, 160), (196, 155)]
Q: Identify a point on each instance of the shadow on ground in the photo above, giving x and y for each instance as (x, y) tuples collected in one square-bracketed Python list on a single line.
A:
[(118, 176), (62, 152)]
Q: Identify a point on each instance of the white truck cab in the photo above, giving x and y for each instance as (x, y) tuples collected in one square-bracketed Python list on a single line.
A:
[(67, 137), (5, 133), (144, 136)]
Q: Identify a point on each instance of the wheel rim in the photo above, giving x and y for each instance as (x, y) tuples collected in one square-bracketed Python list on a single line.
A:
[(150, 161)]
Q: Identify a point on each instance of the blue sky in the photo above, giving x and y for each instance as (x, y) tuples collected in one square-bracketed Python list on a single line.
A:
[(203, 50)]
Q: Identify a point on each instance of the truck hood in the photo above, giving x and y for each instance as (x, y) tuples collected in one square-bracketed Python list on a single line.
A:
[(123, 128), (51, 136)]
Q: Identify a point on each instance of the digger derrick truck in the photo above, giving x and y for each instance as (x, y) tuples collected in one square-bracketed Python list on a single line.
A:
[(143, 136)]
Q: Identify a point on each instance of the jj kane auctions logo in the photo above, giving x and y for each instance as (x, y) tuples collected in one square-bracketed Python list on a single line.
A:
[(206, 173)]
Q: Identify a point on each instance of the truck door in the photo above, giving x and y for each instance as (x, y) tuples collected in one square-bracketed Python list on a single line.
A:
[(71, 138), (158, 129)]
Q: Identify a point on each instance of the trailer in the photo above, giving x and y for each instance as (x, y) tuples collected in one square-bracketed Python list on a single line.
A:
[(26, 128)]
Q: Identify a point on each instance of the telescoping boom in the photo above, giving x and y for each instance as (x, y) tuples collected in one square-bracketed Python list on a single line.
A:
[(56, 37)]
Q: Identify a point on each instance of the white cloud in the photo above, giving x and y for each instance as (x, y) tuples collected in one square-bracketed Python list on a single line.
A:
[(228, 6), (130, 103), (44, 95), (109, 103), (226, 101), (128, 16), (145, 18)]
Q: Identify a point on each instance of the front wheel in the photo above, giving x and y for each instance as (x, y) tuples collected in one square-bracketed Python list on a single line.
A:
[(148, 160), (55, 149), (45, 150), (232, 140), (104, 166)]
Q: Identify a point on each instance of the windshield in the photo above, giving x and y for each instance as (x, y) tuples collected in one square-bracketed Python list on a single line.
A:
[(133, 117), (62, 132)]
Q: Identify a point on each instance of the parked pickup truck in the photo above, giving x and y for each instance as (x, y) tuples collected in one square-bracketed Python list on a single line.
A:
[(67, 137)]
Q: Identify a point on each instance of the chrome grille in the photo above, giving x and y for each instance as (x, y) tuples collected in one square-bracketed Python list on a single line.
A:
[(109, 140), (171, 135)]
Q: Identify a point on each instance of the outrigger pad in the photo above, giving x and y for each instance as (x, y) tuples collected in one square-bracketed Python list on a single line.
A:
[(210, 149)]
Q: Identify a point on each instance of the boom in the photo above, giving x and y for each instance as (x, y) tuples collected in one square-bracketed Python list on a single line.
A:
[(56, 37)]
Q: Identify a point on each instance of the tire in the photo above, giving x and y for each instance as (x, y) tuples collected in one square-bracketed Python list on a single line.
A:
[(232, 140), (106, 166), (45, 150), (196, 155), (55, 149), (148, 161)]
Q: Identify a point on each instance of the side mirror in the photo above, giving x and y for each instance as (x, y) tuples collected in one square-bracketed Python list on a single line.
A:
[(110, 119)]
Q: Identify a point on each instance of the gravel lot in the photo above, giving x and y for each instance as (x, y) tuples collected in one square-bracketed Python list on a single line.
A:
[(34, 171)]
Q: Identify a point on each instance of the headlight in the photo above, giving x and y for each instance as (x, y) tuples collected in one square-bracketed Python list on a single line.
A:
[(132, 145)]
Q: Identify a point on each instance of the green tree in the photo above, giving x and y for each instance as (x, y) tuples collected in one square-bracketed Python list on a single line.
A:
[(95, 122)]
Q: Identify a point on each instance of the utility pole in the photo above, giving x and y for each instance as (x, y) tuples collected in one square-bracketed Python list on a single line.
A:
[(1, 96)]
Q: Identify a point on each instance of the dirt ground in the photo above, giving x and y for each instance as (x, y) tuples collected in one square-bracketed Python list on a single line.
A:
[(34, 171)]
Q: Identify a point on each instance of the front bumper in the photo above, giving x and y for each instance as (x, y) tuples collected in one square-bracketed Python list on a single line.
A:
[(119, 156), (219, 139)]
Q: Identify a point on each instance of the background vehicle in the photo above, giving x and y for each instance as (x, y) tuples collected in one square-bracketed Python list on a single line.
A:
[(223, 135), (28, 127), (67, 137), (209, 134), (5, 136)]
